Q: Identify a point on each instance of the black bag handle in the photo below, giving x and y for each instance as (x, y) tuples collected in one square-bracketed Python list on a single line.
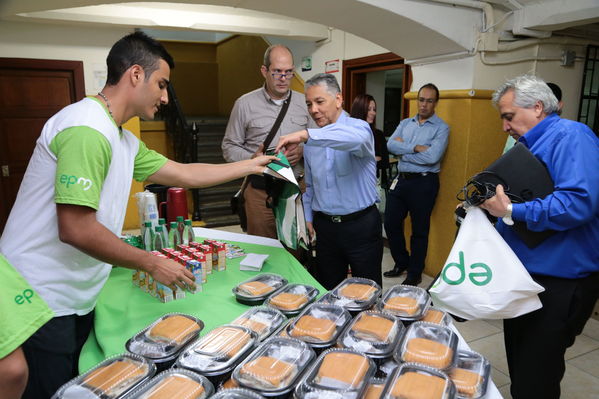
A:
[(277, 123)]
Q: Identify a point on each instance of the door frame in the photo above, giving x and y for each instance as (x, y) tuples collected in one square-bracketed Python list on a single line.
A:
[(355, 70), (75, 67)]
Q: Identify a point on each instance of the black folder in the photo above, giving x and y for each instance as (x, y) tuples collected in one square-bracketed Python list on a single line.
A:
[(525, 177)]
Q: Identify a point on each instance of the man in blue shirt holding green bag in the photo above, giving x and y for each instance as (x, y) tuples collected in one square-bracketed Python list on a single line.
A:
[(340, 197)]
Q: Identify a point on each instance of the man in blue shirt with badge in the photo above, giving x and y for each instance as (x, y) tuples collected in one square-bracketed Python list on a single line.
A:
[(567, 263), (420, 143), (340, 197)]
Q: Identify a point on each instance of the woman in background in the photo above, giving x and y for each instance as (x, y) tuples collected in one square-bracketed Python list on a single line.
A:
[(364, 107)]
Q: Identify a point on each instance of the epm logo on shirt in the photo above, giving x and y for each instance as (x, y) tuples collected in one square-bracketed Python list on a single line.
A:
[(70, 180)]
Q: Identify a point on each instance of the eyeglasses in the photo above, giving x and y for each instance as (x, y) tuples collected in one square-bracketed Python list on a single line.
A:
[(288, 75), (426, 100)]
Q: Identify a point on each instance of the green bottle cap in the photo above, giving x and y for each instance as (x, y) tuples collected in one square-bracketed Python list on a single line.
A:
[(159, 228), (147, 224), (173, 225), (187, 222), (179, 218), (161, 221)]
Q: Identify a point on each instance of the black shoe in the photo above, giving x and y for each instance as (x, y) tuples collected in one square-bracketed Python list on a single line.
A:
[(412, 281), (395, 272)]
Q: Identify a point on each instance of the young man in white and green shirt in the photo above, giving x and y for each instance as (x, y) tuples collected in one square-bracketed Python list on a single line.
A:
[(62, 232)]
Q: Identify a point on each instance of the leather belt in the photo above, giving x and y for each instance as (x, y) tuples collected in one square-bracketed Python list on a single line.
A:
[(345, 218), (414, 175)]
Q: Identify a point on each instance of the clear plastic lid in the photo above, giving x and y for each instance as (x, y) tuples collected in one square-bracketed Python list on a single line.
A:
[(373, 333), (292, 298), (337, 373), (387, 367), (356, 294), (261, 320), (275, 366), (319, 324), (110, 379), (219, 351), (429, 344), (164, 338), (470, 375), (174, 383), (282, 331), (405, 301), (256, 289), (415, 381), (237, 393), (436, 316), (375, 388)]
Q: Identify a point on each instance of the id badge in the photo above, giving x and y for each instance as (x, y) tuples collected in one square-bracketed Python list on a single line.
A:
[(393, 184)]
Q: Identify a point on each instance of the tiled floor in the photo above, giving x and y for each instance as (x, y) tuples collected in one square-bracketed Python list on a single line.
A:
[(486, 337)]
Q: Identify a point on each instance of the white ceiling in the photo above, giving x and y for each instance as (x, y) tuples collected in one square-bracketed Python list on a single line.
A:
[(413, 28)]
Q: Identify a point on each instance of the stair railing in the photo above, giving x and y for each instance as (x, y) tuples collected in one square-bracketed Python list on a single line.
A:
[(184, 137)]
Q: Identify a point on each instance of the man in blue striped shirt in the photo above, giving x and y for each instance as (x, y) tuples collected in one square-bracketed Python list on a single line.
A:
[(340, 197), (420, 143)]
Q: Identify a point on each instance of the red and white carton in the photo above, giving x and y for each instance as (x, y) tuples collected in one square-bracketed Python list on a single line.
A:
[(214, 250), (183, 247), (221, 249), (183, 259), (167, 251), (207, 251)]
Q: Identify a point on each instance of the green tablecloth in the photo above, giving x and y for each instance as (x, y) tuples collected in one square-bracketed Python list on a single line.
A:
[(123, 309)]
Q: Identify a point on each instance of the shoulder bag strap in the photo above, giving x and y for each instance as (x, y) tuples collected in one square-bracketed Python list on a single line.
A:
[(277, 123)]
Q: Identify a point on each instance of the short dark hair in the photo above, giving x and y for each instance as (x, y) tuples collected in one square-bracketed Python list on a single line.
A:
[(557, 92), (359, 108), (269, 50), (135, 49), (432, 87)]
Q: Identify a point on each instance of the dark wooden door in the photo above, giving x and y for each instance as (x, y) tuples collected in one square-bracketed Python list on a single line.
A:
[(31, 91)]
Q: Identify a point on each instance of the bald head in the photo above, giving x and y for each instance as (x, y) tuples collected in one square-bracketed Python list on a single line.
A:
[(277, 71)]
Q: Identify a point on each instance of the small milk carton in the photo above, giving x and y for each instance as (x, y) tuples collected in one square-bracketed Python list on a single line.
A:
[(164, 293), (195, 268)]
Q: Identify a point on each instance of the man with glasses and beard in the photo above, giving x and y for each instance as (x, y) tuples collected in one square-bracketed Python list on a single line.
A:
[(251, 120)]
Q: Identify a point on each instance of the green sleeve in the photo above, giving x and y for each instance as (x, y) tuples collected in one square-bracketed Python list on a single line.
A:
[(83, 159), (22, 310), (147, 162)]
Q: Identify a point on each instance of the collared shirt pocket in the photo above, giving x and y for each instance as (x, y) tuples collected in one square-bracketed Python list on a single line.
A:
[(259, 126), (343, 164), (301, 121)]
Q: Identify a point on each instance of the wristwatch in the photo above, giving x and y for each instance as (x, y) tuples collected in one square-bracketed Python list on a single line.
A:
[(507, 218)]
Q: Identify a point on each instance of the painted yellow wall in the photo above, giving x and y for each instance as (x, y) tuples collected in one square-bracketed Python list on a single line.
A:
[(195, 77), (475, 140), (153, 134), (132, 217), (239, 59)]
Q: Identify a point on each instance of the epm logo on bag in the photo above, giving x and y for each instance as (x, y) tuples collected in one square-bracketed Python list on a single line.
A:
[(455, 273)]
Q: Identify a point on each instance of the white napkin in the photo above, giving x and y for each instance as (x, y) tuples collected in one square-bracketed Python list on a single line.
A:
[(252, 262)]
